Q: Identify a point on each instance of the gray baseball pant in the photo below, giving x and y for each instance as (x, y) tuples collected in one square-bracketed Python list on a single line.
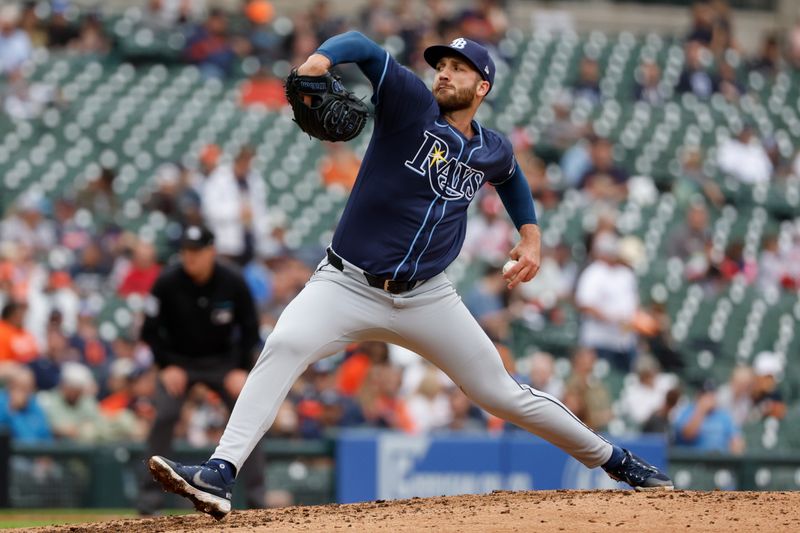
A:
[(337, 308)]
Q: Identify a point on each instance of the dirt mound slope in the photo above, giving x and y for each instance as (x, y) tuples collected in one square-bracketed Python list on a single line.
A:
[(541, 511)]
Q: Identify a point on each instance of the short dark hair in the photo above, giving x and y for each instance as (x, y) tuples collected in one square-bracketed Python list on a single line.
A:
[(9, 309)]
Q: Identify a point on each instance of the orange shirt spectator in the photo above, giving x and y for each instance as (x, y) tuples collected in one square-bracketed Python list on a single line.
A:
[(265, 90), (16, 344), (355, 368), (352, 373), (340, 166)]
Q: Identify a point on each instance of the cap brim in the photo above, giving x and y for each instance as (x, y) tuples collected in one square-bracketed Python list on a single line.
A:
[(190, 245), (434, 53)]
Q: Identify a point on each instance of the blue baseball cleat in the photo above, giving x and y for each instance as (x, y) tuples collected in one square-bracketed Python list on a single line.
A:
[(639, 474), (203, 485)]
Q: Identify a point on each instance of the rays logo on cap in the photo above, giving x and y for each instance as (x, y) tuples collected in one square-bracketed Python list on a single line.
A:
[(459, 43)]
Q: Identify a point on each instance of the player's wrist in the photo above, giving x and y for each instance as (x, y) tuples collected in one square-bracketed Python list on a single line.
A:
[(315, 65)]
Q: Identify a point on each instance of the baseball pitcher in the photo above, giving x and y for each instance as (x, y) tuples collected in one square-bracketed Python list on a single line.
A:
[(383, 277)]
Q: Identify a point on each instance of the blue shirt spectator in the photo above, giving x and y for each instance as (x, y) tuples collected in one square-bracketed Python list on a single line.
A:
[(20, 413), (703, 426)]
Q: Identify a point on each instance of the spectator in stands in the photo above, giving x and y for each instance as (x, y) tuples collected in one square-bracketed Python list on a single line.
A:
[(72, 410), (359, 359), (735, 263), (587, 86), (208, 160), (203, 416), (696, 78), (693, 179), (143, 270), (489, 234), (649, 88), (486, 22), (91, 39), (767, 398), (339, 166), (175, 195), (234, 204), (325, 24), (31, 24), (100, 199), (561, 133), (380, 402), (712, 26), (60, 31), (702, 29), (691, 241), (772, 271), (793, 48), (555, 281), (705, 426), (736, 396), (729, 84), (92, 350), (769, 60), (487, 303), (744, 157), (657, 335), (29, 226), (15, 43), (128, 408), (465, 416), (47, 368), (263, 89), (20, 412), (577, 160), (604, 181), (267, 44), (662, 420), (16, 343), (26, 99), (378, 21), (607, 297), (643, 397), (209, 46), (543, 375), (90, 272), (585, 395), (429, 407)]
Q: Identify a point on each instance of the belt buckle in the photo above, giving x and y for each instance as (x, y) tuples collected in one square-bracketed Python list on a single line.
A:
[(386, 285)]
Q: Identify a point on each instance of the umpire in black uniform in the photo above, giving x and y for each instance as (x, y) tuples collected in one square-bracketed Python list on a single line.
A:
[(202, 327)]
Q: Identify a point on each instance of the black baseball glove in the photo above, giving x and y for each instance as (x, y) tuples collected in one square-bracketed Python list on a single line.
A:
[(323, 108)]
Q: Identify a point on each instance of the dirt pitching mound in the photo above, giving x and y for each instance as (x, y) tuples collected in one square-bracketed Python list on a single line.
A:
[(541, 511)]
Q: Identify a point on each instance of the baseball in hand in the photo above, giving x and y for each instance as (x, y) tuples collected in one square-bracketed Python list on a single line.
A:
[(509, 264)]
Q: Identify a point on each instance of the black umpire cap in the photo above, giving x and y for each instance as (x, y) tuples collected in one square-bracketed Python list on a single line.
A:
[(196, 237)]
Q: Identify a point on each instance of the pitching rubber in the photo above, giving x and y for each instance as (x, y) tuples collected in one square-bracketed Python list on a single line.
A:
[(170, 481), (654, 489)]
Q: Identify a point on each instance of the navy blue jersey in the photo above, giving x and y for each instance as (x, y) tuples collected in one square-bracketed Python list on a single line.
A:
[(407, 214)]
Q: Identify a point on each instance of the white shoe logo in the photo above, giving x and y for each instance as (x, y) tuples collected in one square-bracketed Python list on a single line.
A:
[(197, 480), (458, 43)]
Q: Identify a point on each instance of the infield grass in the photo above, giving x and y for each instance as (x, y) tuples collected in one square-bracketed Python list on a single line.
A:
[(16, 518)]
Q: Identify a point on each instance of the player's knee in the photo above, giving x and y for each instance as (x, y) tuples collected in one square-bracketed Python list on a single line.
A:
[(283, 343), (496, 403)]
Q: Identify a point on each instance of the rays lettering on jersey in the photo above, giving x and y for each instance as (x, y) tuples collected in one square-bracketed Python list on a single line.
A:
[(449, 178)]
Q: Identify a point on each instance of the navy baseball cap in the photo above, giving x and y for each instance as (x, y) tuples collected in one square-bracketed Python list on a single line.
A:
[(475, 54), (196, 237)]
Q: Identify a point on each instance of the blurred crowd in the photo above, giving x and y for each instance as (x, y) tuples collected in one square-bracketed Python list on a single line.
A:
[(68, 376)]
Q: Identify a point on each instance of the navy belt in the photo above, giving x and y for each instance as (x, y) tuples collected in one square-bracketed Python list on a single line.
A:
[(389, 285)]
